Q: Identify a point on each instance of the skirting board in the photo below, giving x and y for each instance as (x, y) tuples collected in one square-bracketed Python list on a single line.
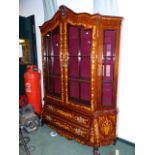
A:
[(126, 141)]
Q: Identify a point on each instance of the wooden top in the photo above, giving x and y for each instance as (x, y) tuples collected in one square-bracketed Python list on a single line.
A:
[(64, 13)]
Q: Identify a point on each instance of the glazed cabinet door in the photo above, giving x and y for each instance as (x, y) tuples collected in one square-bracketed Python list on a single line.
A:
[(79, 61), (79, 51), (109, 68), (52, 61)]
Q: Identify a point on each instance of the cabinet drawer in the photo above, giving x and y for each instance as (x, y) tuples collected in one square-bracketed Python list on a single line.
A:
[(69, 115), (66, 125)]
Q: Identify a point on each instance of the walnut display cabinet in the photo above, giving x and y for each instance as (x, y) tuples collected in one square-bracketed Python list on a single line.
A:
[(80, 55)]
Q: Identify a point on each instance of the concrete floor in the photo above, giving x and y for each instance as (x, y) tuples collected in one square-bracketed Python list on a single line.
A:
[(41, 143)]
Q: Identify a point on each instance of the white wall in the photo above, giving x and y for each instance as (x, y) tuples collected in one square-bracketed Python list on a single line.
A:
[(78, 5), (136, 81), (106, 7), (34, 7)]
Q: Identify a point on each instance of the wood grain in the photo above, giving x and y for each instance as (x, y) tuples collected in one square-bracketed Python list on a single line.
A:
[(93, 125)]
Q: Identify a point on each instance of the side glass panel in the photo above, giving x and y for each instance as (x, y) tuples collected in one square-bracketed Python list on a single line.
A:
[(79, 64), (52, 62), (108, 60)]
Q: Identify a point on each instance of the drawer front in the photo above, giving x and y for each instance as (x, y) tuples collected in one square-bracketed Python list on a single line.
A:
[(74, 117), (66, 125)]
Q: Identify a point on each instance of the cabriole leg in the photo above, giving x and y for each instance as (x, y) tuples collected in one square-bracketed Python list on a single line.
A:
[(114, 142), (96, 151)]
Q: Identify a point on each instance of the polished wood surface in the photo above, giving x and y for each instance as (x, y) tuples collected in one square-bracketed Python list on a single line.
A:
[(93, 124)]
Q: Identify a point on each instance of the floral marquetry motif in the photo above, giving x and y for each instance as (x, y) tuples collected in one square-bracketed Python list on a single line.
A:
[(105, 125), (80, 57), (107, 128)]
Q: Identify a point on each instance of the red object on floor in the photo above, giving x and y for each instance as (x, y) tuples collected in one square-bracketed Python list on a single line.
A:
[(23, 101), (33, 87)]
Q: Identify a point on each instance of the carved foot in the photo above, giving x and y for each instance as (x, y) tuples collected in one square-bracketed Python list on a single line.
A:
[(41, 122), (114, 142), (96, 151)]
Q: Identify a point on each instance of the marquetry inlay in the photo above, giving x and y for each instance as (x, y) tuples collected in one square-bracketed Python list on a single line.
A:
[(80, 81), (69, 115), (78, 131), (107, 124)]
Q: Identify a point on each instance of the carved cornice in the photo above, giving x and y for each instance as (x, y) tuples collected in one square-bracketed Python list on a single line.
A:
[(65, 13)]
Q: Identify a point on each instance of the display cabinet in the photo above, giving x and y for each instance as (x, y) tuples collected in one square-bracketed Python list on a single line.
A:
[(80, 57)]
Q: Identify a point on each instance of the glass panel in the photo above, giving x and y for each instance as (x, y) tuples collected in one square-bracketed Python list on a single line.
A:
[(85, 91), (108, 67), (56, 45), (86, 42), (73, 66), (85, 67), (107, 93), (73, 32), (45, 65), (73, 40), (109, 43), (85, 47), (46, 46), (86, 33), (55, 42), (108, 70), (52, 61), (73, 47), (49, 84), (79, 48), (74, 89), (56, 86), (56, 66), (108, 49), (49, 64)]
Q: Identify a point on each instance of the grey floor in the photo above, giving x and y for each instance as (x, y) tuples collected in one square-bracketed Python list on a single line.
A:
[(41, 143)]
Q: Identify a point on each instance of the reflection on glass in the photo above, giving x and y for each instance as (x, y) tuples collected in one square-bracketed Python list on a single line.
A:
[(108, 67)]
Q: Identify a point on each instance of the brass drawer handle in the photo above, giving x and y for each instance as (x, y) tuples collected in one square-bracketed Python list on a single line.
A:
[(78, 131)]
